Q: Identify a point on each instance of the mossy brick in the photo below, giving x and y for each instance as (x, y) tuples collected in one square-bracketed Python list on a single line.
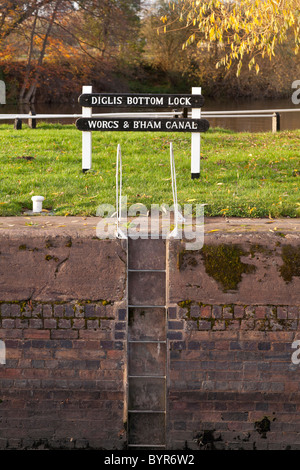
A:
[(227, 312), (47, 311), (5, 310), (219, 325), (69, 311), (238, 311), (15, 310), (89, 310), (217, 311), (59, 310)]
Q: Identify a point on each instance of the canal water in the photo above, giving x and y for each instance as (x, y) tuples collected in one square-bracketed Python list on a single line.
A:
[(288, 120)]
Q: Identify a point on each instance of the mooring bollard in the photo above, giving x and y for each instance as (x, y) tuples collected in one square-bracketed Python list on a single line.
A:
[(37, 205)]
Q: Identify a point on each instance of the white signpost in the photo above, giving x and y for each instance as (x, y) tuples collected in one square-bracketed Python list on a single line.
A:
[(87, 123), (86, 136), (2, 92), (196, 140)]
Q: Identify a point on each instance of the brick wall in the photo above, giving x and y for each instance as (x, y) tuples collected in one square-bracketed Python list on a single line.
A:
[(63, 382), (232, 384)]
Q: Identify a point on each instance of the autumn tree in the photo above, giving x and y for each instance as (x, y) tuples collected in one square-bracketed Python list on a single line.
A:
[(243, 29), (14, 12)]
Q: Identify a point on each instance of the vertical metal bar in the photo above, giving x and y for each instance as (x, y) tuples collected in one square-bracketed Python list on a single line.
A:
[(196, 140), (86, 136)]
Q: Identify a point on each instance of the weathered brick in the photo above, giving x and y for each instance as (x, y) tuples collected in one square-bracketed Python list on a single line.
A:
[(122, 314), (59, 310), (175, 325), (238, 311), (47, 311), (217, 311), (35, 323), (8, 323), (50, 323), (64, 323), (204, 325), (205, 311), (172, 313)]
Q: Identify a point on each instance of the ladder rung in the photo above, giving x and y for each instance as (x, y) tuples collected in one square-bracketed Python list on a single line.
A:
[(148, 341), (146, 376), (146, 445), (146, 306), (147, 411), (146, 270)]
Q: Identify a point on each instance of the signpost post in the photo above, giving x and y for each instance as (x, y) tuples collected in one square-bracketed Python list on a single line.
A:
[(87, 123), (196, 141), (86, 137)]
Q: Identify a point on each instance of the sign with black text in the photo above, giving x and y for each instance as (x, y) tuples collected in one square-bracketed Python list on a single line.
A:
[(139, 100), (142, 124)]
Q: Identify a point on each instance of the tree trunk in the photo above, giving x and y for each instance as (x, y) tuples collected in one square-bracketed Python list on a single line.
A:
[(30, 96), (28, 66)]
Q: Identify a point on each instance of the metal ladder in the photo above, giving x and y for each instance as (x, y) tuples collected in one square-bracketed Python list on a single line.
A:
[(147, 345)]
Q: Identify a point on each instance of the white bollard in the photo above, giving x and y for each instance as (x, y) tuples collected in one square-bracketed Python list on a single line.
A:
[(37, 205)]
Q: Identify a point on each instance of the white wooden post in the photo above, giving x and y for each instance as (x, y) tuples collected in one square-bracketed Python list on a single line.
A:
[(2, 92), (196, 140), (86, 136)]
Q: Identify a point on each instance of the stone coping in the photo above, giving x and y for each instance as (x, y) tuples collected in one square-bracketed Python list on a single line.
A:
[(85, 227)]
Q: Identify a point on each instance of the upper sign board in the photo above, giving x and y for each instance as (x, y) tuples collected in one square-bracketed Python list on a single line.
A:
[(140, 100)]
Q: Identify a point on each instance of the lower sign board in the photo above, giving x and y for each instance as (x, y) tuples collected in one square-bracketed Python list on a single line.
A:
[(142, 124)]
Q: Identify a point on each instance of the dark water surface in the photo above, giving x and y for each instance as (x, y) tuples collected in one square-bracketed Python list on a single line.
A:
[(288, 120)]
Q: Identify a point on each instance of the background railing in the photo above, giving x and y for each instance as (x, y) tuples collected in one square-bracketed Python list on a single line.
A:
[(274, 114)]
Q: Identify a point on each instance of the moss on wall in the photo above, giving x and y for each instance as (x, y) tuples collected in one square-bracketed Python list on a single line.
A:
[(223, 263), (291, 262)]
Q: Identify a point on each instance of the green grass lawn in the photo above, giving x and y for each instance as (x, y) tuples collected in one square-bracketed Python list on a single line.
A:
[(242, 174)]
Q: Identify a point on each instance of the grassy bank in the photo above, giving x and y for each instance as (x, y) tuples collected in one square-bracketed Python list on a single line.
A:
[(242, 174)]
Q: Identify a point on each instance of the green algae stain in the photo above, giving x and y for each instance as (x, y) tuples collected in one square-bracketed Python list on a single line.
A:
[(223, 263), (291, 262)]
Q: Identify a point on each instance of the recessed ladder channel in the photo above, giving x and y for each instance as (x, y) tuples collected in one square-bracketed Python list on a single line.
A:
[(147, 344)]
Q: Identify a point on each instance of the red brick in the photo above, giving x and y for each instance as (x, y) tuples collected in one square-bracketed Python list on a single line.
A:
[(205, 311)]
